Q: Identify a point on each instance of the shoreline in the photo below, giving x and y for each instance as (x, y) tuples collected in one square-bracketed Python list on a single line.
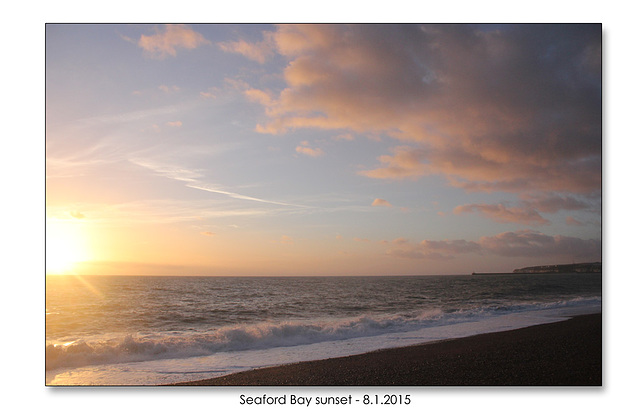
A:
[(565, 353)]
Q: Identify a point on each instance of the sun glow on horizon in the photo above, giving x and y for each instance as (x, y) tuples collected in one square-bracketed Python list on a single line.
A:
[(66, 246)]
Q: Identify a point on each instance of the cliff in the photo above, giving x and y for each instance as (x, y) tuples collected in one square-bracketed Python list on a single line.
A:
[(563, 269)]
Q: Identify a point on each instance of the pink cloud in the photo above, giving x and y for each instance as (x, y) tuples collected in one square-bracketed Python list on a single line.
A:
[(510, 109), (528, 210), (304, 149), (209, 94), (381, 202), (167, 41), (258, 52), (406, 163), (503, 214), (167, 89), (573, 222), (400, 241)]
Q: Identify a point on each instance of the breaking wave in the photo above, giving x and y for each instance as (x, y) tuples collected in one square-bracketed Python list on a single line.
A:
[(170, 345)]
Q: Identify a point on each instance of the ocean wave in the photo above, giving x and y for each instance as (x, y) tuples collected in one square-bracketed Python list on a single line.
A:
[(170, 345)]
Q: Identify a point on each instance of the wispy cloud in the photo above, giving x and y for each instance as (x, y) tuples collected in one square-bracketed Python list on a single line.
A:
[(573, 222), (211, 93), (127, 117), (167, 89), (70, 159), (173, 172), (259, 52), (504, 214), (304, 149), (162, 211), (552, 202), (217, 190), (193, 179), (166, 41), (444, 249)]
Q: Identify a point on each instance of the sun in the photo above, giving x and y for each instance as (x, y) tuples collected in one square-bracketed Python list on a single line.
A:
[(66, 246)]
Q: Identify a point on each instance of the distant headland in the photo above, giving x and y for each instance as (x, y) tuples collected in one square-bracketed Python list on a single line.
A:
[(588, 267)]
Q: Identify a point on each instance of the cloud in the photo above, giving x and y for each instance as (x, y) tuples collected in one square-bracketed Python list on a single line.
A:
[(530, 243), (286, 240), (406, 163), (193, 179), (304, 149), (428, 249), (209, 94), (166, 41), (489, 108), (381, 202), (207, 233), (530, 206), (77, 215), (503, 214), (552, 203), (573, 222), (127, 117), (177, 123), (218, 190), (400, 241), (167, 89), (258, 52), (164, 211), (523, 243), (344, 136)]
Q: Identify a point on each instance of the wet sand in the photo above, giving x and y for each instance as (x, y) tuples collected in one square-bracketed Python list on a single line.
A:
[(567, 353)]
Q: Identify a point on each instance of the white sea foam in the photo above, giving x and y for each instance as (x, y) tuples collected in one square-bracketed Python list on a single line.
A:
[(177, 356), (222, 363), (151, 330)]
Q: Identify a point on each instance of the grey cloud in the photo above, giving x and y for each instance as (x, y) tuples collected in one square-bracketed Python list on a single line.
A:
[(529, 243), (522, 243), (503, 214), (552, 203)]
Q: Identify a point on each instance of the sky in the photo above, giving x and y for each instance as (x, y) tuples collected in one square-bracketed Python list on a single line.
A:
[(322, 149)]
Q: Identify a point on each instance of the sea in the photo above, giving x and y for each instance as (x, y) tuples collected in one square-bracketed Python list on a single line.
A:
[(148, 330)]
